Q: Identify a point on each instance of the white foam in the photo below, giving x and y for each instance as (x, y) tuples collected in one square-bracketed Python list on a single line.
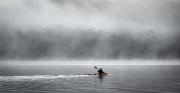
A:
[(37, 77)]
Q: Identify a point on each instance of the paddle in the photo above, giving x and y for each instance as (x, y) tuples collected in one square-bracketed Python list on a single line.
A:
[(95, 67)]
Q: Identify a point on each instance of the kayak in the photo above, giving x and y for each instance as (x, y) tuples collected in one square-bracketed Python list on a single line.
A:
[(104, 74), (97, 74)]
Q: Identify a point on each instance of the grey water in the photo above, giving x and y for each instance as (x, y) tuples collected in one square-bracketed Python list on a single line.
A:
[(72, 79)]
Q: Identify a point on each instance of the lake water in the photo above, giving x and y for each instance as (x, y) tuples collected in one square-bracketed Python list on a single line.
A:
[(71, 79)]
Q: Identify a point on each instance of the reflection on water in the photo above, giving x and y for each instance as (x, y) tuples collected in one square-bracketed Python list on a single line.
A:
[(64, 79), (101, 77)]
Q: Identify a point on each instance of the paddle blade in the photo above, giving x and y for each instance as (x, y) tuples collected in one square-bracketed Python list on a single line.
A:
[(95, 67)]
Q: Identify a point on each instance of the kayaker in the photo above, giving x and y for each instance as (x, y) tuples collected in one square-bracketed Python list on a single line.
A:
[(100, 71)]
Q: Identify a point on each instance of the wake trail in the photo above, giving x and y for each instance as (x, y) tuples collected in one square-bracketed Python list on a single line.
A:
[(38, 77)]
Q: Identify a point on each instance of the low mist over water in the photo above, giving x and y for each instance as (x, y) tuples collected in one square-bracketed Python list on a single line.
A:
[(85, 44)]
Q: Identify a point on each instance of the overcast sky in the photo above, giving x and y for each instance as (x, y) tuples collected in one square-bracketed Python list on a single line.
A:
[(107, 15)]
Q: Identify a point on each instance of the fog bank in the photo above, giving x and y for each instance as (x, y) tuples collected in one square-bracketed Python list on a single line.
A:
[(89, 29)]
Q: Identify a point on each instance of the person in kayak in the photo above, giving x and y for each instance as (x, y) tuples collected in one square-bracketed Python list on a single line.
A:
[(100, 71)]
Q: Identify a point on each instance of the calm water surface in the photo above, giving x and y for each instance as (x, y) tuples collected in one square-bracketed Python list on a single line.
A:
[(71, 79)]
